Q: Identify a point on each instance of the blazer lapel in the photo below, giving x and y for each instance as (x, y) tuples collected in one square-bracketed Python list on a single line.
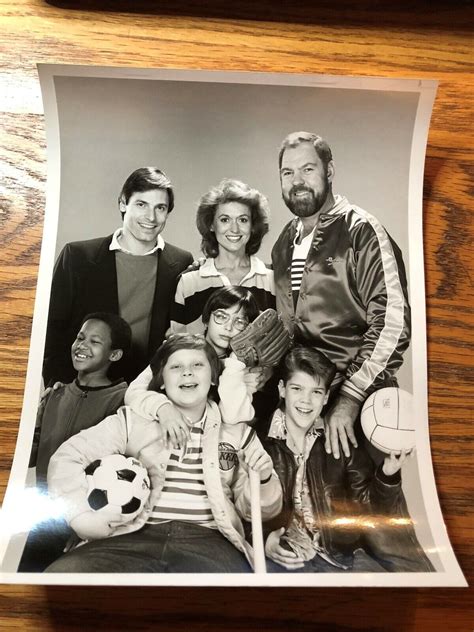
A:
[(105, 277), (165, 289)]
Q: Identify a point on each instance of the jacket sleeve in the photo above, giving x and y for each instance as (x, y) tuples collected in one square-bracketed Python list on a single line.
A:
[(142, 401), (235, 402), (271, 496), (66, 477), (382, 289), (37, 430), (57, 361), (370, 487)]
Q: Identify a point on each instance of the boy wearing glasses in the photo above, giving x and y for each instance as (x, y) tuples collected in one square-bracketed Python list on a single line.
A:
[(228, 310)]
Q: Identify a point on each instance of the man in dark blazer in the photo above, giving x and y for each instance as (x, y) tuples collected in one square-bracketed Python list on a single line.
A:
[(132, 273)]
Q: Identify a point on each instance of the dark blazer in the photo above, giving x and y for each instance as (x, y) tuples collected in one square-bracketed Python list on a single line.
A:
[(85, 281)]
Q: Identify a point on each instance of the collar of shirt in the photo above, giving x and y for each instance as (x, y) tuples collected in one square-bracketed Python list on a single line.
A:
[(181, 452), (307, 239), (199, 423), (278, 430), (208, 268), (115, 243)]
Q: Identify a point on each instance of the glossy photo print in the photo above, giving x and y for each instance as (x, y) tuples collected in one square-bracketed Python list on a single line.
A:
[(227, 379)]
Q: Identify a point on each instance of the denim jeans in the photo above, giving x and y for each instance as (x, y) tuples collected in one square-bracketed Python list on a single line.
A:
[(360, 562), (45, 544), (170, 547)]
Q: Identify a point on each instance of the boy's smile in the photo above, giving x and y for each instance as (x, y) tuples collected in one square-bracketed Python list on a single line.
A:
[(304, 398), (187, 378), (92, 351)]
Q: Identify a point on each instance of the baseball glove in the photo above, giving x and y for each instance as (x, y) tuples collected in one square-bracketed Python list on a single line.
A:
[(263, 342)]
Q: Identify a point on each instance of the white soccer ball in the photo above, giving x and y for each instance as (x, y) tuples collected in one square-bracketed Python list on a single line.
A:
[(387, 420), (120, 482)]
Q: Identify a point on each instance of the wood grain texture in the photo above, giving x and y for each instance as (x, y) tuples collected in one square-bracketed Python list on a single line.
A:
[(430, 40)]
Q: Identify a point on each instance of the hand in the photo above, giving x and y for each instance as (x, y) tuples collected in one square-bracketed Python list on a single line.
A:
[(257, 459), (266, 374), (174, 425), (280, 555), (339, 424), (256, 377), (94, 525), (252, 379), (196, 264), (394, 462), (56, 386)]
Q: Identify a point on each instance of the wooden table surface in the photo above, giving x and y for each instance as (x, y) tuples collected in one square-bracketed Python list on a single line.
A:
[(429, 40)]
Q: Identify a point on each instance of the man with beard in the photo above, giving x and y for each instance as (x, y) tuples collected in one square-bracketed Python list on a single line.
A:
[(340, 284)]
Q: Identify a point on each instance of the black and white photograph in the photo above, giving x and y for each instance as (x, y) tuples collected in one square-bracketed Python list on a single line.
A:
[(227, 382)]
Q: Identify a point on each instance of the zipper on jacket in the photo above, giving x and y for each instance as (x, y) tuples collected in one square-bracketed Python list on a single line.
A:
[(73, 415)]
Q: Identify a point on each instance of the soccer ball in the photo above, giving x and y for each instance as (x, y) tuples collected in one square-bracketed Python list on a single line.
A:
[(118, 481), (387, 420)]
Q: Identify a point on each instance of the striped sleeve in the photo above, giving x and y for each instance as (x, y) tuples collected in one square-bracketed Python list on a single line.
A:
[(382, 287), (192, 292)]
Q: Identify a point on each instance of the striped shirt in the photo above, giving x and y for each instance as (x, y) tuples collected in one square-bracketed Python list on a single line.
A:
[(300, 253), (184, 495), (196, 286)]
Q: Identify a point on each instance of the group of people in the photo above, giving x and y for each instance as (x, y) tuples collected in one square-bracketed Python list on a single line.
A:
[(135, 321)]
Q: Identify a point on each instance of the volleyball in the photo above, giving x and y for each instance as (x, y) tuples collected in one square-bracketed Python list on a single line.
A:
[(387, 420)]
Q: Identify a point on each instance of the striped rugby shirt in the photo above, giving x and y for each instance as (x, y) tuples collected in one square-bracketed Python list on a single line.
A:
[(184, 496), (196, 286)]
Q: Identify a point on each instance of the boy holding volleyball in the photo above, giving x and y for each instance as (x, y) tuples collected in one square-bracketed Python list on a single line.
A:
[(338, 514), (199, 492)]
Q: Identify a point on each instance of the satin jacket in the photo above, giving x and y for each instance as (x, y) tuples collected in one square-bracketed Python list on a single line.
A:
[(353, 302)]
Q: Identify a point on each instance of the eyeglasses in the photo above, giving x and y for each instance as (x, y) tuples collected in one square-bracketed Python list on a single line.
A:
[(222, 318)]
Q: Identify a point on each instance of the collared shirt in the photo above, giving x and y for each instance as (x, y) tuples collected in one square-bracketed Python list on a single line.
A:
[(208, 269), (115, 243), (300, 254), (195, 286), (136, 276), (303, 533)]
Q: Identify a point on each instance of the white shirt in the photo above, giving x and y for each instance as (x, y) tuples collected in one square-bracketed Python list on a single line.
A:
[(115, 243)]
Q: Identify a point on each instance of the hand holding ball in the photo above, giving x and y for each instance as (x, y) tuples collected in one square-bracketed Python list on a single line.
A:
[(387, 420)]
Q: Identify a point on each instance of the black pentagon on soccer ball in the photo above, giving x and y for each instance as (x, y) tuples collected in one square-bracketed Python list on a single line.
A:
[(91, 468), (126, 475), (97, 499), (132, 506)]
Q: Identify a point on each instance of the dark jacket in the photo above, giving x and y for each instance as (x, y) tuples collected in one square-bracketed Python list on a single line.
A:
[(354, 503), (85, 281), (68, 410), (353, 302)]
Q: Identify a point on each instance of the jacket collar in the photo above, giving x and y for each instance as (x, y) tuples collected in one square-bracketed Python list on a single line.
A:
[(278, 429), (341, 206)]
